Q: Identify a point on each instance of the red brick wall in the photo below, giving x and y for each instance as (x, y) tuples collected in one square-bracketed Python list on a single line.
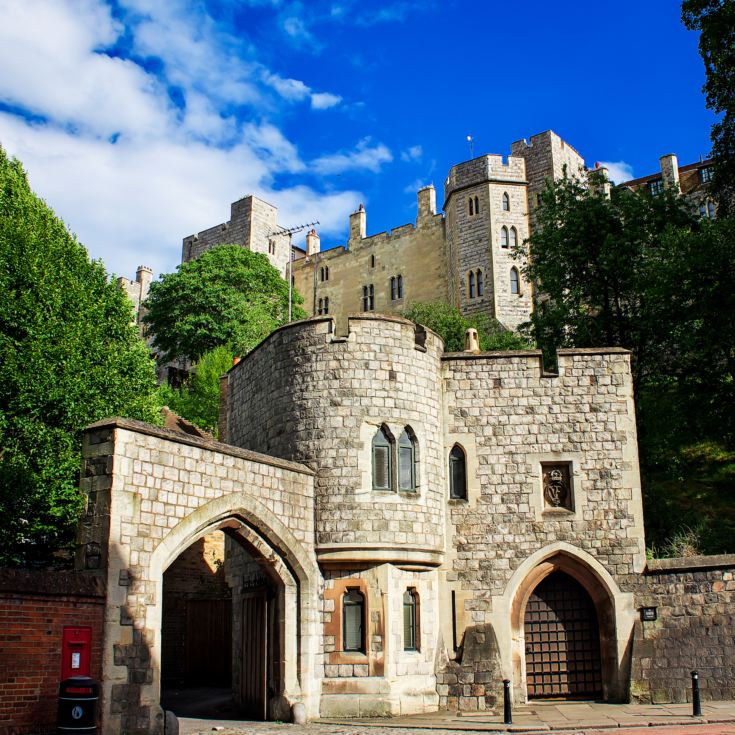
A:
[(34, 609)]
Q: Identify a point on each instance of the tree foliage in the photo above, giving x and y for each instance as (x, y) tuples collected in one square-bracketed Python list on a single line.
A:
[(227, 296), (715, 19), (198, 400), (69, 355), (450, 324), (641, 272), (593, 259)]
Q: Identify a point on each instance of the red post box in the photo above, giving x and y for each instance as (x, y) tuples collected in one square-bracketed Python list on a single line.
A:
[(76, 650)]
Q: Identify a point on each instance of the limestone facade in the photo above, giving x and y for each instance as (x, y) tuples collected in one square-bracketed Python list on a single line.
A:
[(387, 582), (463, 256)]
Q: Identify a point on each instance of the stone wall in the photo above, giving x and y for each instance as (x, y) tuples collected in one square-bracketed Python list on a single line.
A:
[(416, 253), (151, 493), (35, 606), (547, 158), (695, 629), (333, 393), (253, 224), (474, 193), (512, 420)]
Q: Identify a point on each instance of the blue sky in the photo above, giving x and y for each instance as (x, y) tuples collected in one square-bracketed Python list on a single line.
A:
[(140, 121)]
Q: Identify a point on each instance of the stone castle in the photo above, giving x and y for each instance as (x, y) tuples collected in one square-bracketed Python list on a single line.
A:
[(386, 528), (463, 256)]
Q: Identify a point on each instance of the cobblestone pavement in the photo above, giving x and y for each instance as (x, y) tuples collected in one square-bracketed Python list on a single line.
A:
[(718, 718)]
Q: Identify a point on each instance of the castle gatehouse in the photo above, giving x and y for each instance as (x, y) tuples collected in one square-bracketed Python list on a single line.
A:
[(385, 529)]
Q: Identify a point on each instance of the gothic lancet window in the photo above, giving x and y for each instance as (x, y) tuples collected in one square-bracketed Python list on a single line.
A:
[(353, 616), (382, 461), (406, 462), (410, 620), (457, 473)]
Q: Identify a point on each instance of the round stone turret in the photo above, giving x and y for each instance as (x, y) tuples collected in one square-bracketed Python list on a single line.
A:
[(364, 411)]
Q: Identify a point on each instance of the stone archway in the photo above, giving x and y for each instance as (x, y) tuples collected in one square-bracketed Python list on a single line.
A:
[(614, 611), (150, 495), (288, 568)]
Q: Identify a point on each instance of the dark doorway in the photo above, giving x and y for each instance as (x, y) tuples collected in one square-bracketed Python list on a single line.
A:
[(220, 631), (562, 640)]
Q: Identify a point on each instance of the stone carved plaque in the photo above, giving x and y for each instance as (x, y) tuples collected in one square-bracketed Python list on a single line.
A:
[(557, 486)]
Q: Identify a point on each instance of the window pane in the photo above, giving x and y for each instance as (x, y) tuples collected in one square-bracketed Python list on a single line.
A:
[(352, 621), (457, 475), (381, 468), (405, 465), (409, 622)]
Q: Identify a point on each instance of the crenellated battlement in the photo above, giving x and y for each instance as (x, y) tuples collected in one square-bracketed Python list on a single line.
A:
[(484, 169)]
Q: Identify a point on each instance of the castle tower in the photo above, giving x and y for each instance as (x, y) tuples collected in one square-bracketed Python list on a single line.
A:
[(253, 224), (486, 216)]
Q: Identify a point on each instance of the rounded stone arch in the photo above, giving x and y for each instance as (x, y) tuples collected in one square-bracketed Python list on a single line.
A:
[(615, 611), (286, 562)]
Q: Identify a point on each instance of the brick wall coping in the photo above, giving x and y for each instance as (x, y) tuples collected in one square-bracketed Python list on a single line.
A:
[(51, 582), (686, 563), (140, 427), (534, 353)]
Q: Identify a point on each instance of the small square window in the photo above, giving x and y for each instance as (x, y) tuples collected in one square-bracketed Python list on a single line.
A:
[(656, 187)]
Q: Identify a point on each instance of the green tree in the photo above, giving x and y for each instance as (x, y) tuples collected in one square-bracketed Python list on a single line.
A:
[(227, 296), (450, 324), (715, 19), (198, 400), (69, 355), (591, 258)]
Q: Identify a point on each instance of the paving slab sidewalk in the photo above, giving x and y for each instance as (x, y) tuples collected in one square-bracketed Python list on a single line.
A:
[(541, 717)]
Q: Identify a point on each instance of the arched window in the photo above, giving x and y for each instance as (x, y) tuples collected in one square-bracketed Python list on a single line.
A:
[(457, 473), (477, 206), (353, 616), (372, 261), (365, 300), (326, 272), (479, 282), (506, 202), (321, 303), (503, 237), (513, 237), (410, 620), (406, 461), (471, 284), (400, 286), (515, 281), (382, 464), (326, 305), (710, 209), (472, 206), (393, 292), (321, 273), (372, 297)]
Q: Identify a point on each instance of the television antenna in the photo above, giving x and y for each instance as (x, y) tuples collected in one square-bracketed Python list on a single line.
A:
[(290, 231)]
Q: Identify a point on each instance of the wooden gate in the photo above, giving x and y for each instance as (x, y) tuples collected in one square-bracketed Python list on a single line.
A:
[(208, 642), (562, 640), (254, 691)]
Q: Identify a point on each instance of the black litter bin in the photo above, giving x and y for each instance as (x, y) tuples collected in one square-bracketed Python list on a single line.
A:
[(78, 699)]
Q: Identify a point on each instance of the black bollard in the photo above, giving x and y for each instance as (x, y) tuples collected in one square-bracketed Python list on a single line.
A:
[(507, 711), (696, 702)]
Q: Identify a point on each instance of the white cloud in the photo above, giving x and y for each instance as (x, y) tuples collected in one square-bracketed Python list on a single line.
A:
[(324, 100), (618, 171), (129, 170), (365, 157), (413, 153), (414, 186), (289, 89)]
